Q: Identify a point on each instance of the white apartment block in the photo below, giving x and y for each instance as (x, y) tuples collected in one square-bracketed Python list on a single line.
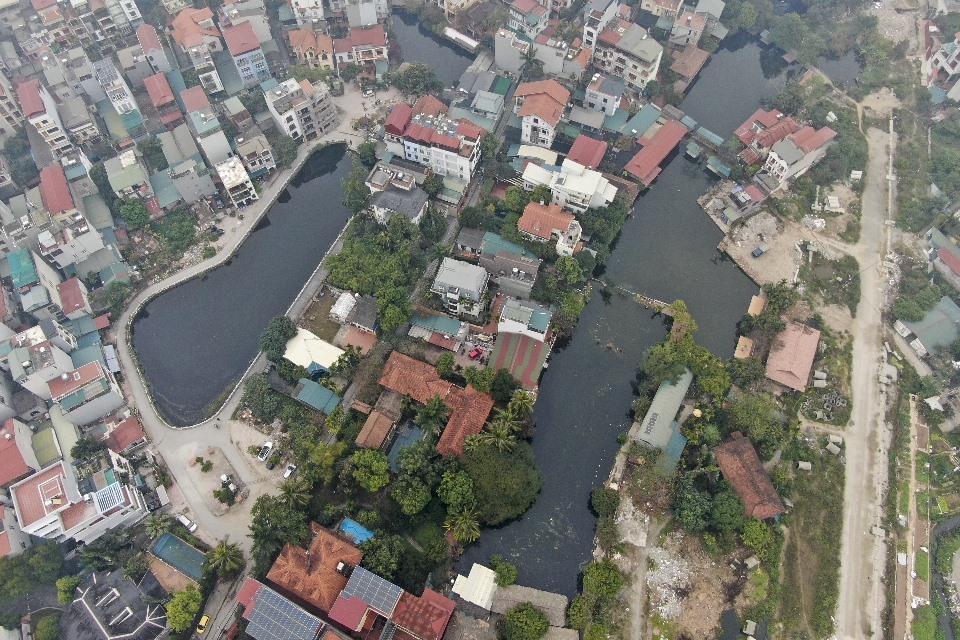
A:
[(40, 110), (114, 86), (626, 50), (573, 187), (448, 147), (302, 110), (236, 182)]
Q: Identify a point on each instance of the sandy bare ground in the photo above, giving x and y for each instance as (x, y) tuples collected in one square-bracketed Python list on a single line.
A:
[(867, 436)]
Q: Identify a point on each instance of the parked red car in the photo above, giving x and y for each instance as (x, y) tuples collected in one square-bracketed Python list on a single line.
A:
[(476, 353)]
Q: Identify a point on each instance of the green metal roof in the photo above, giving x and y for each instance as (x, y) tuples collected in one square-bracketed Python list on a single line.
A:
[(22, 269), (97, 212), (540, 320), (939, 327), (494, 244), (92, 353), (88, 392), (124, 177), (45, 447), (658, 425), (438, 324), (118, 271), (317, 396)]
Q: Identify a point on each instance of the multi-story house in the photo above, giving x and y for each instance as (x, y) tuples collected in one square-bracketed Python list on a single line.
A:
[(604, 93), (302, 110), (205, 126), (86, 394), (40, 110), (947, 57), (198, 37), (192, 180), (365, 13), (448, 147), (74, 298), (596, 16), (792, 156), (669, 9), (309, 14), (17, 458), (573, 186), (525, 318), (528, 17), (312, 49), (78, 121), (559, 58), (161, 95), (35, 366), (540, 106), (627, 50), (543, 223), (118, 93), (461, 286), (11, 118), (688, 29), (247, 55), (127, 176), (364, 47), (174, 7), (79, 501), (255, 152), (70, 239), (153, 49), (236, 182)]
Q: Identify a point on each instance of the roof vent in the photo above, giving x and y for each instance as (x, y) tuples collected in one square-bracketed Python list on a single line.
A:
[(8, 436)]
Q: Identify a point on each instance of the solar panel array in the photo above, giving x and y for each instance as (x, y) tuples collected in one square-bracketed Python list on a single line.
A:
[(276, 618), (380, 594)]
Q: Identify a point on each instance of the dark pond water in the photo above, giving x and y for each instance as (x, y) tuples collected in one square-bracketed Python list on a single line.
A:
[(842, 71), (196, 340), (419, 44), (667, 251)]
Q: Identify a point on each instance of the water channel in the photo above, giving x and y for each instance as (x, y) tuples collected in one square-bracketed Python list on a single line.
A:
[(418, 44), (195, 340), (667, 251)]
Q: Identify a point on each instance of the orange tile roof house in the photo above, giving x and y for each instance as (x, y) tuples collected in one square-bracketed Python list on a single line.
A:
[(420, 381), (311, 48), (741, 467), (315, 576), (791, 356), (540, 106), (17, 459), (543, 222)]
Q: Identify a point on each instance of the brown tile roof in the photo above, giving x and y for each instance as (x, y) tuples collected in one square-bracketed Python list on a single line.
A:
[(187, 31), (310, 575), (543, 106), (809, 139), (791, 356), (241, 39), (306, 40), (688, 62), (126, 433), (159, 90), (420, 381), (551, 88), (31, 494), (13, 466), (375, 431), (429, 106), (54, 190), (75, 380), (72, 296), (741, 467), (425, 617), (148, 38), (587, 151), (769, 137), (542, 220), (194, 99)]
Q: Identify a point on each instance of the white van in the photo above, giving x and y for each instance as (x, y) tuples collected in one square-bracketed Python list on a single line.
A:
[(185, 521)]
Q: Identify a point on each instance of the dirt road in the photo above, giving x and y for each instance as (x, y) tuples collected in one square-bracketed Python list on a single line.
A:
[(867, 437)]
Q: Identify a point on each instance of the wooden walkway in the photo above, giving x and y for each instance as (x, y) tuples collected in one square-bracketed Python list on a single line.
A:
[(651, 303)]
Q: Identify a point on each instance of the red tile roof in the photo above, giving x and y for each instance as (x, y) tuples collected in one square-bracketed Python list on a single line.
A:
[(755, 194), (363, 340), (148, 38), (307, 40), (101, 322), (31, 495), (952, 261), (72, 297), (54, 190), (551, 88), (587, 151), (742, 469), (420, 381), (5, 546), (769, 137), (374, 36), (791, 356), (809, 139), (194, 99), (398, 119), (241, 39), (430, 106), (40, 5), (688, 62), (469, 130), (310, 575), (762, 119), (349, 611), (28, 94), (13, 466), (425, 617), (187, 31), (543, 220), (544, 107), (524, 6), (247, 596), (126, 433), (645, 166), (75, 380), (159, 89)]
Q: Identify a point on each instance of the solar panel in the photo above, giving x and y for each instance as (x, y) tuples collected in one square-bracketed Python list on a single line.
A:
[(378, 593), (276, 618)]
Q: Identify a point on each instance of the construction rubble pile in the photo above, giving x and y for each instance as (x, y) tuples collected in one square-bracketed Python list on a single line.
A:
[(668, 580)]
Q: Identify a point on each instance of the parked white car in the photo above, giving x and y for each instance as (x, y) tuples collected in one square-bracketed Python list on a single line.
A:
[(187, 522), (265, 451)]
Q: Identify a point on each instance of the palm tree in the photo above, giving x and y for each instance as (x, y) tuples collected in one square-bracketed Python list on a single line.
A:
[(296, 492), (433, 416), (158, 524), (531, 69), (464, 526), (226, 558), (521, 404), (497, 434), (505, 422)]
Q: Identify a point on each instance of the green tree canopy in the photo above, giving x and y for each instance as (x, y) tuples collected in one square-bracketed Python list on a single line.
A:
[(506, 483), (367, 152), (754, 415), (49, 627), (524, 622), (757, 535), (456, 491), (446, 364), (260, 399), (67, 588), (356, 193), (603, 579), (604, 501), (416, 79), (135, 214), (274, 523), (274, 339), (727, 513), (183, 608), (411, 494), (382, 555), (507, 573), (370, 469)]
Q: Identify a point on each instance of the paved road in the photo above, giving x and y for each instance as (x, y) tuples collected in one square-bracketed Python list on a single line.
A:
[(862, 554)]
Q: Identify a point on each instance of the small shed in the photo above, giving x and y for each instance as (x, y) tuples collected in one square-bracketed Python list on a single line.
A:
[(752, 562), (834, 449), (342, 307), (478, 587), (819, 375), (750, 628), (835, 439), (803, 465), (819, 384)]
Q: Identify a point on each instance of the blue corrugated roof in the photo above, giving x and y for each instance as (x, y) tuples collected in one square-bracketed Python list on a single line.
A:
[(438, 324), (22, 269)]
